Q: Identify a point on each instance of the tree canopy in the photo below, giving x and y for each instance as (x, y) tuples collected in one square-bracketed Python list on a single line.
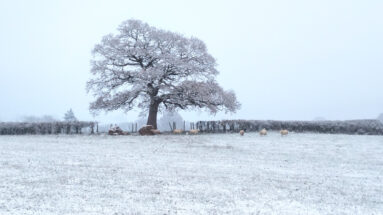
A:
[(153, 69)]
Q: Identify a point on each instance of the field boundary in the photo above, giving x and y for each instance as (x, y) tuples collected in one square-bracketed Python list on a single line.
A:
[(363, 127)]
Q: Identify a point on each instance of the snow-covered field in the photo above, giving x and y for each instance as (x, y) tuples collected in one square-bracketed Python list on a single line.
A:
[(204, 174)]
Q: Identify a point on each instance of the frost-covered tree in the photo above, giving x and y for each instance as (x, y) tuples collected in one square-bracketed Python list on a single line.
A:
[(69, 116), (154, 69)]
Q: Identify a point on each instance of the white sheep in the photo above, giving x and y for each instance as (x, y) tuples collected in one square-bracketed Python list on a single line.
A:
[(241, 132), (177, 131), (194, 131), (263, 132), (284, 132)]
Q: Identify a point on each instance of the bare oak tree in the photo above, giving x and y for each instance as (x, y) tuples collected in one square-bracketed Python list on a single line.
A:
[(154, 69)]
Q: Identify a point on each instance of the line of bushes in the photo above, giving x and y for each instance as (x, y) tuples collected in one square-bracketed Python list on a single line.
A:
[(366, 127), (19, 128)]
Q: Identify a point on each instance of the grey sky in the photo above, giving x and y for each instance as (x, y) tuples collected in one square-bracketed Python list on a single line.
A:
[(284, 59)]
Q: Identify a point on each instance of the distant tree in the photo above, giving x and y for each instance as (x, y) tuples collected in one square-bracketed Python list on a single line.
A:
[(45, 118), (319, 118), (155, 69), (30, 119), (69, 116), (380, 117), (141, 121), (170, 117)]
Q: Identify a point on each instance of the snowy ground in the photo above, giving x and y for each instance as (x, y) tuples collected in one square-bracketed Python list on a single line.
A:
[(204, 174)]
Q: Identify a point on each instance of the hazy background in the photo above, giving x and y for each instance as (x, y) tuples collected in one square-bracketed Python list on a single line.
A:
[(284, 59)]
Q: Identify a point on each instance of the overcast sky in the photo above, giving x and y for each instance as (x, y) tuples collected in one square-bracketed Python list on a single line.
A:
[(286, 60)]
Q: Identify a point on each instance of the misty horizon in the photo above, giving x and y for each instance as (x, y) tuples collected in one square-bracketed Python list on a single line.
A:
[(284, 60)]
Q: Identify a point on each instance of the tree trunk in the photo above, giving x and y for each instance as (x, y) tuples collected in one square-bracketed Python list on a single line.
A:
[(152, 118)]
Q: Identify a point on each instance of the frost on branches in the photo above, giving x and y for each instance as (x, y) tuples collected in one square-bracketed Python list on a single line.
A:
[(155, 69)]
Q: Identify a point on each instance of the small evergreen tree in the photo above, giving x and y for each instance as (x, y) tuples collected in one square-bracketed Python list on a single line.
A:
[(69, 116)]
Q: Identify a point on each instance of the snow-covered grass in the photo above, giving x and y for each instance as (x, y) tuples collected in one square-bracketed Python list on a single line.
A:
[(202, 174)]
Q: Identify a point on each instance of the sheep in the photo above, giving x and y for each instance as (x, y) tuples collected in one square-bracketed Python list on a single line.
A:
[(155, 131), (194, 131), (284, 132), (177, 131), (241, 132), (116, 130), (263, 132)]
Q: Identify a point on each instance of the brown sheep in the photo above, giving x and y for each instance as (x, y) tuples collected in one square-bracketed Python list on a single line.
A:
[(148, 130)]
